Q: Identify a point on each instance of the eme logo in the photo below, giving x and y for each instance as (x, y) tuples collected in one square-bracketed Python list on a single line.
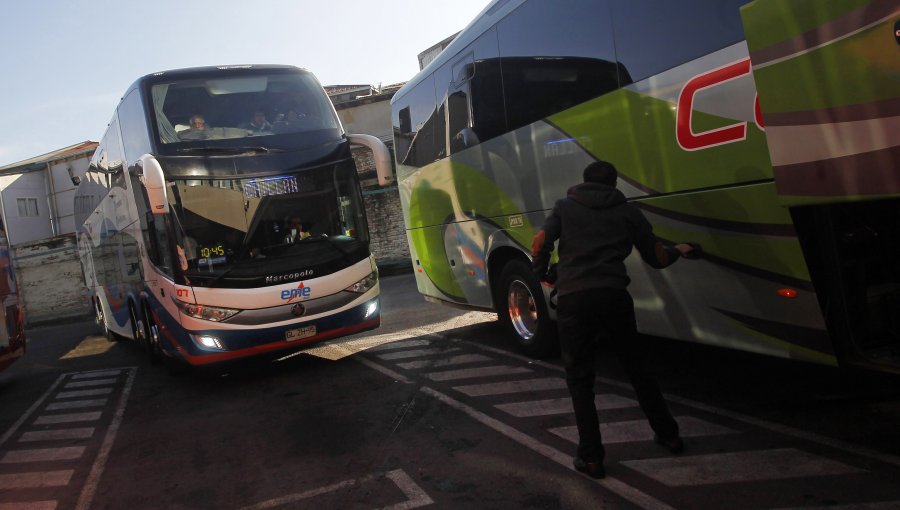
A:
[(301, 292)]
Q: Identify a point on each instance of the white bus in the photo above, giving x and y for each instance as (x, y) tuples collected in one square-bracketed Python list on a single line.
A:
[(221, 217), (792, 192)]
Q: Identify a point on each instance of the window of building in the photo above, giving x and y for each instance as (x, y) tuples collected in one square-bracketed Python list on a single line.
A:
[(28, 207)]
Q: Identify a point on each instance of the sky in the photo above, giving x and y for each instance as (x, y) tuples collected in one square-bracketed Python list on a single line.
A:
[(64, 64)]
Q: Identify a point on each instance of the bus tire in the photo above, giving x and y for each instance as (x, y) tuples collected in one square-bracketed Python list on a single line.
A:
[(151, 337), (523, 311)]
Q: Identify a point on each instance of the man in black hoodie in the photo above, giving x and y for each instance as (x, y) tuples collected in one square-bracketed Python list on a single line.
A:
[(597, 230)]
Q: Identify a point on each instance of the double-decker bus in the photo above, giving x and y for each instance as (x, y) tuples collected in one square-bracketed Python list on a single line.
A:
[(221, 217), (497, 128), (12, 331)]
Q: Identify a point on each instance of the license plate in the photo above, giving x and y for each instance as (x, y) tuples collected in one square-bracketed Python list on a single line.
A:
[(297, 334)]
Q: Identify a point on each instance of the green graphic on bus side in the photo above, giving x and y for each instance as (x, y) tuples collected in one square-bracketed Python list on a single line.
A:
[(774, 21), (637, 134), (862, 73), (431, 206)]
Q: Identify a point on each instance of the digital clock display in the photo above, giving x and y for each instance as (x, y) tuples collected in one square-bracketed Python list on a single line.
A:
[(216, 250)]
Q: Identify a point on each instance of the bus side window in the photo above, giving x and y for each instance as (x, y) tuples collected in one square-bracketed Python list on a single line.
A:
[(163, 251), (571, 61)]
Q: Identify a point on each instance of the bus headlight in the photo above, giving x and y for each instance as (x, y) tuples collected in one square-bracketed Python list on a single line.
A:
[(364, 285), (207, 313)]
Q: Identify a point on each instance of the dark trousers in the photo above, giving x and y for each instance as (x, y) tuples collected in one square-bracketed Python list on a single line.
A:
[(586, 319)]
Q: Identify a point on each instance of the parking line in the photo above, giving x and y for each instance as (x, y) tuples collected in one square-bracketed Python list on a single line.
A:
[(53, 419), (57, 434)]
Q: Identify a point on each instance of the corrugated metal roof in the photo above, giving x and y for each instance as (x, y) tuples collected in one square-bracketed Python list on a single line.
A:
[(40, 162)]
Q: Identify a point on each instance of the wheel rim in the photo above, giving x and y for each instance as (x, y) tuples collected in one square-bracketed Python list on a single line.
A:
[(522, 310)]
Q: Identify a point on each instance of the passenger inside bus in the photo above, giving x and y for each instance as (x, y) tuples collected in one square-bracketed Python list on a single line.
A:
[(258, 124)]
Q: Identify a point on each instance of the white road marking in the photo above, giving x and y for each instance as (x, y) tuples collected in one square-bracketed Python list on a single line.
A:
[(57, 434), (386, 371), (415, 353), (52, 419), (735, 467), (92, 382), (15, 426), (43, 454), (84, 393), (502, 388), (29, 505), (96, 374), (639, 430), (76, 404), (36, 480), (612, 484), (750, 420), (453, 360), (403, 344), (563, 405), (416, 497), (471, 373), (93, 479), (880, 505)]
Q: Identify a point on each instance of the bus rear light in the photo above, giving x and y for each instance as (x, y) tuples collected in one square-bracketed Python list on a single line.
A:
[(787, 293)]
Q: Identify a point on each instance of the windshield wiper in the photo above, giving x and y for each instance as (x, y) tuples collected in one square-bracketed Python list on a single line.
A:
[(230, 150)]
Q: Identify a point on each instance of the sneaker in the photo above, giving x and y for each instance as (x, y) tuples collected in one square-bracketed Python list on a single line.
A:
[(675, 445), (592, 469)]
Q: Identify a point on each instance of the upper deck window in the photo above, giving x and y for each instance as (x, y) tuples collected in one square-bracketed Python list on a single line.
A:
[(275, 110)]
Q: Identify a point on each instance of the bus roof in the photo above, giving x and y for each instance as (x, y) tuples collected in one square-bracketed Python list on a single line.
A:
[(494, 12)]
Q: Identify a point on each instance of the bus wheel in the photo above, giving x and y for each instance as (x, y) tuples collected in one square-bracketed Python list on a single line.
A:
[(151, 337), (100, 319), (522, 309)]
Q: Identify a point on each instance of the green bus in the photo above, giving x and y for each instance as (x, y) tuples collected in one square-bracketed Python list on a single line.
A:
[(799, 256)]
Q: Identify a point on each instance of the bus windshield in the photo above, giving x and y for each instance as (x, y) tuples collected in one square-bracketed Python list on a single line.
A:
[(259, 110), (246, 227)]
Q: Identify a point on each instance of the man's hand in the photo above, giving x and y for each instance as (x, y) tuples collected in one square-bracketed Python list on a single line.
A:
[(689, 250)]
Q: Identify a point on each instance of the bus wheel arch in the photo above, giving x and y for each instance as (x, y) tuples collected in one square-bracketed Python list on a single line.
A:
[(521, 308)]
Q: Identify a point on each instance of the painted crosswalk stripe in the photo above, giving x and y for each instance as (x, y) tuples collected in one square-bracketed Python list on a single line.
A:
[(453, 360), (57, 434), (563, 405), (29, 505), (752, 466), (92, 382), (43, 454), (415, 353), (400, 345), (76, 404), (502, 388), (36, 480), (639, 430), (95, 375), (84, 393), (471, 373), (52, 419)]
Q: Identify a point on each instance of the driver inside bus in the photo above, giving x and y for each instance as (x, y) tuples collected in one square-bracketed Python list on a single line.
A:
[(197, 129), (294, 230)]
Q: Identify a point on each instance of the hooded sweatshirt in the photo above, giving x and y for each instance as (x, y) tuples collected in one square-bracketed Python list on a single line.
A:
[(597, 229)]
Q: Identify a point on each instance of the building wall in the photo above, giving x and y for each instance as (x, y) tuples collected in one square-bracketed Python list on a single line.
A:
[(371, 119), (386, 229), (51, 285), (28, 185)]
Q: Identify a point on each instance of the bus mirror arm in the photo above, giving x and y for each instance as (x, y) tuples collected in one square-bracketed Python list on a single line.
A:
[(382, 156), (155, 181)]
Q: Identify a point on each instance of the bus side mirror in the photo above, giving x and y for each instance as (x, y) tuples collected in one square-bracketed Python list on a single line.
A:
[(381, 155), (155, 182)]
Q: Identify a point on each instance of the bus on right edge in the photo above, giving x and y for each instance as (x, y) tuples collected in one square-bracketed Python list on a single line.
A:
[(792, 192)]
